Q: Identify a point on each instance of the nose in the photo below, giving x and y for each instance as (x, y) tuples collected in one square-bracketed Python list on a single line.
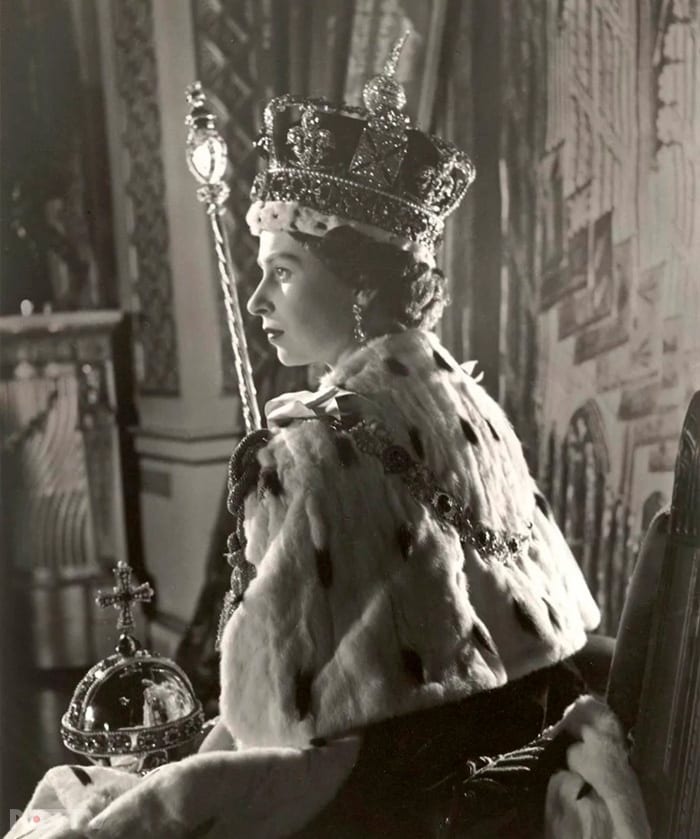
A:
[(258, 302)]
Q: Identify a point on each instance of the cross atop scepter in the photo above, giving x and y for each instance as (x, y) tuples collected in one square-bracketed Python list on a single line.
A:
[(124, 595)]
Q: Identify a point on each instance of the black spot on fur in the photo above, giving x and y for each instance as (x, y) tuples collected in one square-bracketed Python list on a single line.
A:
[(416, 442), (468, 431), (441, 362), (526, 619), (553, 617), (413, 665), (318, 742), (203, 829), (396, 366), (542, 504), (586, 789), (347, 455), (324, 567), (302, 693), (482, 638), (270, 482), (493, 431), (404, 536), (81, 775)]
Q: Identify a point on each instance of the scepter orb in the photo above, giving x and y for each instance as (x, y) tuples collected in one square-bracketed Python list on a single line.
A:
[(207, 156)]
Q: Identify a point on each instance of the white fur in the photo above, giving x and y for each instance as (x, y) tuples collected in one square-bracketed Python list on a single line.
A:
[(291, 216), (350, 637), (614, 808), (257, 794), (62, 806)]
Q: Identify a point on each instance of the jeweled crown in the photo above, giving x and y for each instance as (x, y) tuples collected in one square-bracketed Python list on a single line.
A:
[(368, 167)]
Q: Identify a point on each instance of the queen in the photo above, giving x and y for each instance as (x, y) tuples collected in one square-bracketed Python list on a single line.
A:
[(403, 606)]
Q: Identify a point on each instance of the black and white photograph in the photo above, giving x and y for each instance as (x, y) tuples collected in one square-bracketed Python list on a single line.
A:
[(350, 419)]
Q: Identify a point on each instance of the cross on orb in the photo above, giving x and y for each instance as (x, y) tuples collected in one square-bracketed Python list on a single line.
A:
[(124, 595)]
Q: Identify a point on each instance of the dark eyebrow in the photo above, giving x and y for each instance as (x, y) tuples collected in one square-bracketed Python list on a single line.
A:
[(280, 255)]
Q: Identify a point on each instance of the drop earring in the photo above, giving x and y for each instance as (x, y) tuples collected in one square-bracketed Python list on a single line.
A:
[(359, 331)]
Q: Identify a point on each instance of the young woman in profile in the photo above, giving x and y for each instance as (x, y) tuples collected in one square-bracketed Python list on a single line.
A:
[(402, 602)]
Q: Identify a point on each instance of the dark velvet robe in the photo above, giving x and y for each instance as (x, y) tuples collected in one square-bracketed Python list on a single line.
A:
[(412, 778)]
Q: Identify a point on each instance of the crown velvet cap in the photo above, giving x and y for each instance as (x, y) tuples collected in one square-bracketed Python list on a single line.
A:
[(365, 167)]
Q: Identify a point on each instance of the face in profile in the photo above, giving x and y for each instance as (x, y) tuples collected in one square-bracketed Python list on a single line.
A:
[(306, 311)]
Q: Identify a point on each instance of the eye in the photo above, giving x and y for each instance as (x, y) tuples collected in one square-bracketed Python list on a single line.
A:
[(282, 274)]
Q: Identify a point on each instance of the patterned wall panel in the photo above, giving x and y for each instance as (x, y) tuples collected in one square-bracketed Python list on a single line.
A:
[(616, 238), (598, 142), (155, 337)]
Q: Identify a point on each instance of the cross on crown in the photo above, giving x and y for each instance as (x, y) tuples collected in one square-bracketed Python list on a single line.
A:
[(124, 595)]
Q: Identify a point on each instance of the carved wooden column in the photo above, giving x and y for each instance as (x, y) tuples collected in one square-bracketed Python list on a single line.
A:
[(62, 495)]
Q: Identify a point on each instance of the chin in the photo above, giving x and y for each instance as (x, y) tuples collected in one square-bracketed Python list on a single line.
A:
[(287, 359)]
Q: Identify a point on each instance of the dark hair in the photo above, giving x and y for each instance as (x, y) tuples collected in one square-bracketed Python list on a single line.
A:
[(409, 294)]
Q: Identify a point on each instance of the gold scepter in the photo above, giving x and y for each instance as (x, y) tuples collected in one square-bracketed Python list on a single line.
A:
[(207, 157)]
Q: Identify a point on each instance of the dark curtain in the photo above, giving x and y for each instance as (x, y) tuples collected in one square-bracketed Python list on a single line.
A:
[(55, 204)]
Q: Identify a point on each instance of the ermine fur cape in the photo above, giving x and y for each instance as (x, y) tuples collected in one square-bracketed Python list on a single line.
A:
[(364, 606)]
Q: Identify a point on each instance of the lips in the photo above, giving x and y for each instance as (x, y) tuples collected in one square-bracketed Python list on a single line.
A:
[(272, 333)]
